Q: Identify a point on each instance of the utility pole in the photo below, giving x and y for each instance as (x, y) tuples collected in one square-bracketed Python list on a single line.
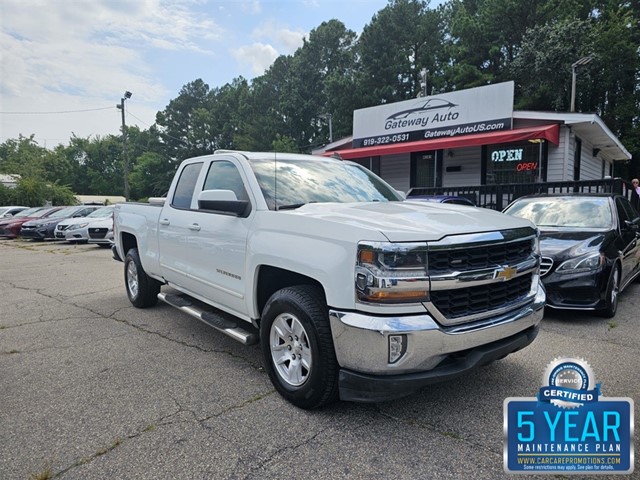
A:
[(329, 117), (423, 82), (574, 66), (125, 155)]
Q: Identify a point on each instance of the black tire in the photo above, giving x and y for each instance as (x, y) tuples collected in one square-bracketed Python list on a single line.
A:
[(142, 290), (310, 380), (613, 290)]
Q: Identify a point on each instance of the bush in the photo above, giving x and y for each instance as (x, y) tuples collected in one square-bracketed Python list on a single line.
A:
[(32, 192)]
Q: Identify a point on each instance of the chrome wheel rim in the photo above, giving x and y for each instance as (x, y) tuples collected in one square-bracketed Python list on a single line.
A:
[(132, 279), (290, 349)]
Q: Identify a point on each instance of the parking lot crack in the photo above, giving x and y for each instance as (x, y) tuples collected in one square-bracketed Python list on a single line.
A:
[(279, 451)]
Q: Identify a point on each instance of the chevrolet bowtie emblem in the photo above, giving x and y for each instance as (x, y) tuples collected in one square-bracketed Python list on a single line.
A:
[(506, 273)]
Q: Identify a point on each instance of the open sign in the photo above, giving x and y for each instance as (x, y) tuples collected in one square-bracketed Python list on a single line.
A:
[(524, 166)]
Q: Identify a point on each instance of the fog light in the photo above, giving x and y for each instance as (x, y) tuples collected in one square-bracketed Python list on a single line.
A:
[(397, 347)]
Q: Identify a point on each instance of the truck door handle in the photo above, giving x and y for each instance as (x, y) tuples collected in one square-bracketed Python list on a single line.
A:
[(194, 226), (164, 221)]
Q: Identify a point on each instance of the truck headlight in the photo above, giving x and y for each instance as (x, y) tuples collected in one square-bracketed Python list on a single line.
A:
[(582, 264), (392, 273)]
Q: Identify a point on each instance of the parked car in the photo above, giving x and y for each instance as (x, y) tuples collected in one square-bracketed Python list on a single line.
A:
[(590, 246), (101, 232), (10, 211), (75, 230), (443, 199), (10, 227), (43, 228)]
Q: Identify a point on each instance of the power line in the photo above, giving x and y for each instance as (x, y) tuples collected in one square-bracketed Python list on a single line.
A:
[(137, 118), (161, 133), (55, 113)]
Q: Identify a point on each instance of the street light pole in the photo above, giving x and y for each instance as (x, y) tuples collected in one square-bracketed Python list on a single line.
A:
[(330, 128), (125, 156), (328, 116), (574, 66)]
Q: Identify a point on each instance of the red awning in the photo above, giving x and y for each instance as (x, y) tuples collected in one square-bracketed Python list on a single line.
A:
[(546, 132)]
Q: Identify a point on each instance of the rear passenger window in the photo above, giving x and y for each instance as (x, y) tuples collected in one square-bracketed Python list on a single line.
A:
[(186, 186)]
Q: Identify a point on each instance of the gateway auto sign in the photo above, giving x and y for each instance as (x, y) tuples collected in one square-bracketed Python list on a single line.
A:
[(476, 110)]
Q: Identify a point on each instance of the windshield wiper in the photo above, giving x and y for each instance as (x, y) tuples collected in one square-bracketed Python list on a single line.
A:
[(290, 207)]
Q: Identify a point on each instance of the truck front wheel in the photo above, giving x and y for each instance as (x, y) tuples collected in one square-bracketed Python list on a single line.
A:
[(297, 347), (142, 290)]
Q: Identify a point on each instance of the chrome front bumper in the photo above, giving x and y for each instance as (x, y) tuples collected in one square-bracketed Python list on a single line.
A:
[(433, 352)]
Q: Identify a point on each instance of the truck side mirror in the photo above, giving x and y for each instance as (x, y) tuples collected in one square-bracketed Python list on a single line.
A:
[(223, 201)]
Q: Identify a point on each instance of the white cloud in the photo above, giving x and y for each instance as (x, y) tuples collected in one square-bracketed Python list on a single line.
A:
[(274, 32), (74, 55), (258, 56), (252, 7)]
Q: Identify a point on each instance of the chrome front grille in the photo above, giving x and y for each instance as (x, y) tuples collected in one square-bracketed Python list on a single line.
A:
[(477, 276), (481, 299), (474, 258)]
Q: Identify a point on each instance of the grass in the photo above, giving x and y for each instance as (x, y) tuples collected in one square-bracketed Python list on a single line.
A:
[(108, 448), (43, 475), (612, 324)]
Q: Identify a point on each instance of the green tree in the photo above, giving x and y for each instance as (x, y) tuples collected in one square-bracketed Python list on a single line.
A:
[(23, 157), (542, 70), (35, 192), (402, 39), (98, 165), (186, 124), (151, 176), (324, 63)]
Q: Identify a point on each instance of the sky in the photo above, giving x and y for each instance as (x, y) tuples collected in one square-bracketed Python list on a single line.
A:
[(65, 64)]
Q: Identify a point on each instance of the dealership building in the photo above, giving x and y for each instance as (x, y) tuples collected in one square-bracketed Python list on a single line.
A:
[(469, 139)]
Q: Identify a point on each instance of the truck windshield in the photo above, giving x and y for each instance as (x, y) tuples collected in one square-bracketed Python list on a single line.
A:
[(289, 183)]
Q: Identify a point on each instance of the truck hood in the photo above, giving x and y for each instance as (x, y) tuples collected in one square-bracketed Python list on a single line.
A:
[(412, 221)]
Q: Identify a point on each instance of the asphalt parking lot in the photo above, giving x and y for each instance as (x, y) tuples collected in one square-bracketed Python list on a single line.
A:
[(92, 388)]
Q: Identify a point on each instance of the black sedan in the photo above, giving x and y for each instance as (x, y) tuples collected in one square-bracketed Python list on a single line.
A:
[(590, 245)]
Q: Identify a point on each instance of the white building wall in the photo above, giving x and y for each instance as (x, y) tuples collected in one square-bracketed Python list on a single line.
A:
[(469, 160), (590, 166), (396, 170), (557, 165)]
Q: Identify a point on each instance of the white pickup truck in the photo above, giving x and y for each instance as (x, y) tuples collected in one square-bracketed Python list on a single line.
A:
[(351, 291)]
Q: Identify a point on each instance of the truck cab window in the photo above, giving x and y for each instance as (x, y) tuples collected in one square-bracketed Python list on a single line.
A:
[(223, 175), (186, 185)]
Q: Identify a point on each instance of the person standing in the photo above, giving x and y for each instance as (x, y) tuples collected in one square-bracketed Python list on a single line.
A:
[(635, 193)]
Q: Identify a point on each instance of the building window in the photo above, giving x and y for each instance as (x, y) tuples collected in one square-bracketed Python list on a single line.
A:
[(371, 163), (426, 169), (515, 163), (577, 156)]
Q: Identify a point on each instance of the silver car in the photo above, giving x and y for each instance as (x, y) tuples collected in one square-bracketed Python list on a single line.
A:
[(76, 230), (10, 211), (101, 232)]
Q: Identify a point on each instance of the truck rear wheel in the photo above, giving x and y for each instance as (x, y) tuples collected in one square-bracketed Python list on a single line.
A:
[(142, 290), (297, 347)]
